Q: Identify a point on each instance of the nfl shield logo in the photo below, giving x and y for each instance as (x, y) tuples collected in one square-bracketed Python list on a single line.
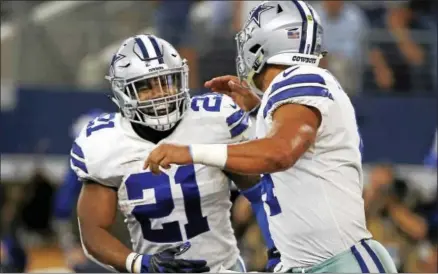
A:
[(293, 33)]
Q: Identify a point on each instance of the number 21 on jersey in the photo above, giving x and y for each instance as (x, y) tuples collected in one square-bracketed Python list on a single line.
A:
[(161, 185), (101, 122)]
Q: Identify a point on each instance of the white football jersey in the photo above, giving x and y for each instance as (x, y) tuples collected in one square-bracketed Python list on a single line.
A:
[(186, 203), (315, 208)]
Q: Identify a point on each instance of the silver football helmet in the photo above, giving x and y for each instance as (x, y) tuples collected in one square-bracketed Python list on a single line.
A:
[(149, 81), (278, 32)]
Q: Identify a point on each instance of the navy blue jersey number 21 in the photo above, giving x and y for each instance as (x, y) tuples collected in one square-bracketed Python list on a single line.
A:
[(170, 232)]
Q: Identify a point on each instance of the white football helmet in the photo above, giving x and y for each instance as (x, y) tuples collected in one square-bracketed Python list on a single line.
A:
[(278, 32), (149, 81)]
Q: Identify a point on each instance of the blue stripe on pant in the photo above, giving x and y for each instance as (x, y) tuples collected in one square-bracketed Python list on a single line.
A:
[(359, 259), (366, 256), (373, 255)]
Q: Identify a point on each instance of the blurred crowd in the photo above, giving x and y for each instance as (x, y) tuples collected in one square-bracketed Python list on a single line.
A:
[(378, 47), (391, 42), (373, 46)]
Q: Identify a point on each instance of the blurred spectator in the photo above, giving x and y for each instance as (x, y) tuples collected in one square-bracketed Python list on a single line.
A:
[(401, 19), (411, 59), (345, 31), (391, 216), (13, 256), (427, 250), (425, 259), (12, 253), (37, 205), (172, 21), (251, 243), (375, 11)]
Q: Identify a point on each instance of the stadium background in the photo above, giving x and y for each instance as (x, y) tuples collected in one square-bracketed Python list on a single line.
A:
[(54, 55)]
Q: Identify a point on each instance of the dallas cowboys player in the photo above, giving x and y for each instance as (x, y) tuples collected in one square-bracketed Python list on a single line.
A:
[(187, 204), (308, 145)]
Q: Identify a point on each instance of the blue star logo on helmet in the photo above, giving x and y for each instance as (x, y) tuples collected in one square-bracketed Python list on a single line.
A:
[(256, 12), (116, 58)]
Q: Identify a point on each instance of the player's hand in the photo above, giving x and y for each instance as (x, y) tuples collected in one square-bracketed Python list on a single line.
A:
[(274, 258), (165, 262), (240, 92), (166, 154)]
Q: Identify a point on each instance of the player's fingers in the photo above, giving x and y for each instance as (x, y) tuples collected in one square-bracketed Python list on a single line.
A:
[(208, 84), (147, 163), (220, 87), (152, 158), (220, 79), (153, 161), (237, 88), (155, 169), (199, 270), (220, 83), (180, 249), (170, 268), (190, 263), (165, 163)]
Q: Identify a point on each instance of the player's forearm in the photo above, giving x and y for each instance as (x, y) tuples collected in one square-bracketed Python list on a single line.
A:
[(259, 156), (397, 21), (104, 247), (408, 221), (254, 157)]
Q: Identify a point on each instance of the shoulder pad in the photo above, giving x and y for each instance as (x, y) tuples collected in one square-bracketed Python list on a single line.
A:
[(91, 150), (223, 112), (299, 84)]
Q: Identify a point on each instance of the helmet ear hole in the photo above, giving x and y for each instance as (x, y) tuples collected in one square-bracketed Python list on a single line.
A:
[(254, 48)]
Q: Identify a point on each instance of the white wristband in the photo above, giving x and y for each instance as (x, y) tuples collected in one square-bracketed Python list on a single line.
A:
[(137, 265), (133, 262), (211, 155)]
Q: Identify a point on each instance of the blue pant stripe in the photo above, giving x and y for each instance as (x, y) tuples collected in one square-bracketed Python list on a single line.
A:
[(359, 259), (373, 256)]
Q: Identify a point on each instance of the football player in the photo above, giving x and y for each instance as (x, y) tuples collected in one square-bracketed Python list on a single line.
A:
[(307, 147), (179, 221)]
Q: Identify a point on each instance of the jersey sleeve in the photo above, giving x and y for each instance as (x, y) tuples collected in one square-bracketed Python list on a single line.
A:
[(298, 85), (90, 158), (237, 122), (79, 160)]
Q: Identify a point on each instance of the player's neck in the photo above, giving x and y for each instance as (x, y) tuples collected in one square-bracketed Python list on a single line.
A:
[(150, 134), (267, 76)]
